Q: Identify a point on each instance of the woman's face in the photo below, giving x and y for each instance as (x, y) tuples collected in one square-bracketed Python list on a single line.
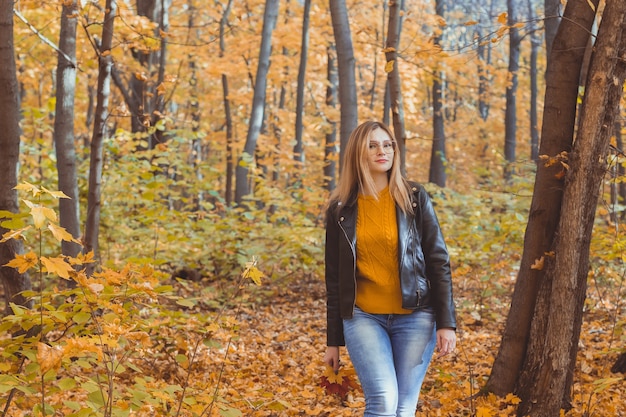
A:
[(380, 152)]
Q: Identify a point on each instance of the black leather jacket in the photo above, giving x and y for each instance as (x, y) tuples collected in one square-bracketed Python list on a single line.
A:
[(425, 277)]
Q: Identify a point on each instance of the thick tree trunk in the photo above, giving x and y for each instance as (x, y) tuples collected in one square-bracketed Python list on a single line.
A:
[(437, 173), (557, 134), (64, 128), (12, 281), (393, 79), (298, 150), (345, 65), (242, 187), (546, 382), (330, 148), (510, 113), (92, 226)]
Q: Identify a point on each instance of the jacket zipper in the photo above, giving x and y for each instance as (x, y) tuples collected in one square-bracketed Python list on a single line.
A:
[(353, 263)]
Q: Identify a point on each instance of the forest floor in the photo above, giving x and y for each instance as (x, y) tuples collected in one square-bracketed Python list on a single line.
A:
[(271, 363), (275, 366)]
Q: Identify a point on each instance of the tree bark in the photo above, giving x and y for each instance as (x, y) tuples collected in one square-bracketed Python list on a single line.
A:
[(393, 80), (105, 63), (298, 150), (546, 382), (12, 281), (330, 148), (535, 43), (557, 133), (63, 134), (510, 113), (228, 120), (552, 11), (345, 66), (437, 173), (242, 187)]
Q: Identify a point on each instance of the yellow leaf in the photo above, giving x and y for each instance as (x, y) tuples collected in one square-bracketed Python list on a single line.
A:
[(502, 19), (55, 194), (13, 234), (57, 266), (23, 262), (538, 265), (40, 214), (483, 412), (512, 399), (470, 23), (253, 272), (26, 186), (389, 49), (61, 234), (590, 3), (389, 66), (48, 357)]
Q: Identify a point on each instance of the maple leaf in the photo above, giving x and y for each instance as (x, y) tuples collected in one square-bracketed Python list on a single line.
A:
[(57, 266), (13, 234), (389, 66), (26, 186), (338, 383), (23, 262), (40, 214), (253, 272), (61, 234), (48, 357)]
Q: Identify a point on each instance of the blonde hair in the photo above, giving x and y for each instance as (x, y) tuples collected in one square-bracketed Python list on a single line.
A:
[(355, 176)]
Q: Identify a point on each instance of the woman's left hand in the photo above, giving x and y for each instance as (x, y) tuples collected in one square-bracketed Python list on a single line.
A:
[(446, 341)]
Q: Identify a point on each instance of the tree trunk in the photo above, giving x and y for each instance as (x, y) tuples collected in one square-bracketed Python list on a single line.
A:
[(546, 382), (330, 149), (298, 150), (437, 172), (510, 113), (64, 128), (230, 165), (105, 63), (12, 281), (535, 43), (242, 187), (393, 80), (552, 11), (347, 79), (559, 117)]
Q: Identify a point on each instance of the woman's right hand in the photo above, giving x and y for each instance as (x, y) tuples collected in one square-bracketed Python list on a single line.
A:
[(331, 358)]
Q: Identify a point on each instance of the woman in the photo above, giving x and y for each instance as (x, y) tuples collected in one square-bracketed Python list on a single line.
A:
[(388, 281)]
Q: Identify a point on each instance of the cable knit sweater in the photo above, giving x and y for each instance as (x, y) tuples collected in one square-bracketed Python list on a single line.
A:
[(378, 284)]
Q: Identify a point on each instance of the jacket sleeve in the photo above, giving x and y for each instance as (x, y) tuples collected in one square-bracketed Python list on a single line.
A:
[(334, 323), (437, 263)]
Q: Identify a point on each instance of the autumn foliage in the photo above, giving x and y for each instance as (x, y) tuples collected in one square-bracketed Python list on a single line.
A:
[(135, 341), (199, 307)]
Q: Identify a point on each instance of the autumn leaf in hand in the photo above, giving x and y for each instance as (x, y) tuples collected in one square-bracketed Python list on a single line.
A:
[(337, 383)]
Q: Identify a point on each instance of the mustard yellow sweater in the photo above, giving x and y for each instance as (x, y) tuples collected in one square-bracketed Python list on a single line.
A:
[(378, 283)]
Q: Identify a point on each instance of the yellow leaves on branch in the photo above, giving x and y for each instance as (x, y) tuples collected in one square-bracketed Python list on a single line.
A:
[(253, 272)]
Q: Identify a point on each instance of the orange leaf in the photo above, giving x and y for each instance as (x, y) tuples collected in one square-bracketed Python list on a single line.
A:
[(538, 265), (57, 266), (48, 357), (23, 262)]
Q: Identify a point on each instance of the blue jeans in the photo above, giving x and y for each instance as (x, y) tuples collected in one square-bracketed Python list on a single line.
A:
[(390, 353)]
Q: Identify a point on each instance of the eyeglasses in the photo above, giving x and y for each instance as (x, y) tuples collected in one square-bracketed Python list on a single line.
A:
[(387, 147)]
